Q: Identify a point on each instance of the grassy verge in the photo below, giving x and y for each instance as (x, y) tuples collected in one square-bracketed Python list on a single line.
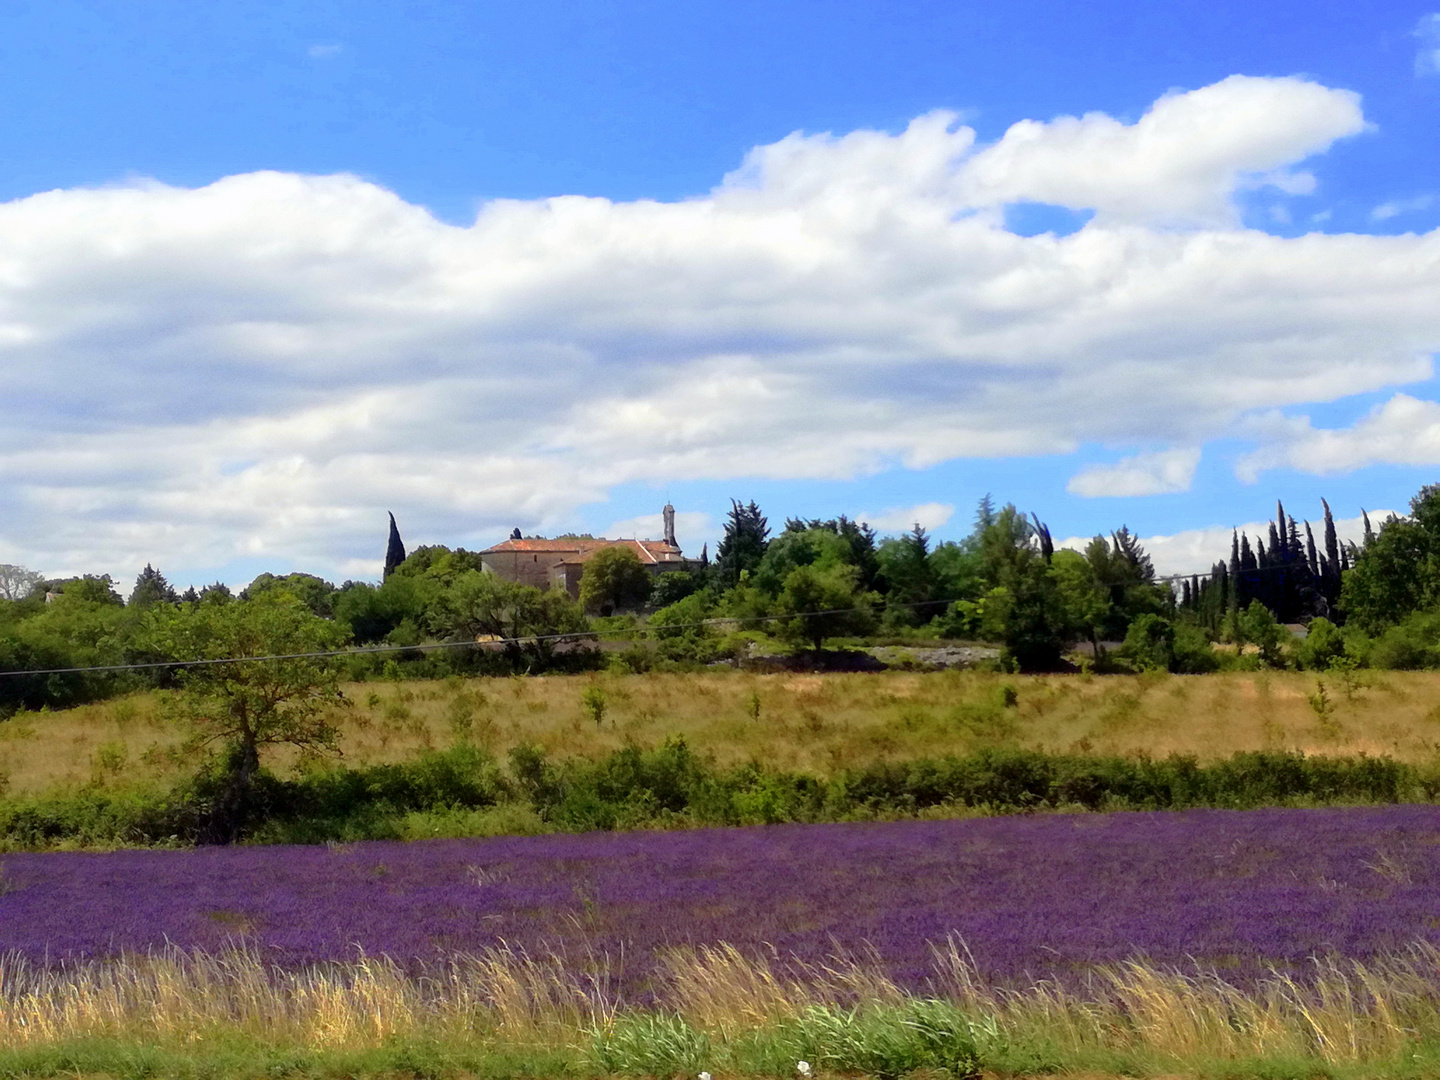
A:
[(719, 1012), (818, 725)]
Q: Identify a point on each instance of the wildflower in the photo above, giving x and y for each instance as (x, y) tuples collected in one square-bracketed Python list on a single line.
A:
[(803, 1068), (703, 1076)]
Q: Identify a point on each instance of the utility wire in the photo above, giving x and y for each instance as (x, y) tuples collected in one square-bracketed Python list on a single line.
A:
[(529, 639)]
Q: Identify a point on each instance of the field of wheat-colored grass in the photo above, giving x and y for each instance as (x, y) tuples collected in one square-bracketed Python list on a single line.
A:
[(815, 723), (718, 1009)]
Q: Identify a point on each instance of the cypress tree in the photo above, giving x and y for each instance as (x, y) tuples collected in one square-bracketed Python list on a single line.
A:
[(1369, 532), (394, 550), (1310, 556)]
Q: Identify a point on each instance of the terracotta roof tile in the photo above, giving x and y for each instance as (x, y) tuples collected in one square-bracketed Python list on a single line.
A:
[(649, 551)]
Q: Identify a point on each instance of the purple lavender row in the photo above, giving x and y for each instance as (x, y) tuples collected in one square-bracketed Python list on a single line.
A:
[(1030, 896)]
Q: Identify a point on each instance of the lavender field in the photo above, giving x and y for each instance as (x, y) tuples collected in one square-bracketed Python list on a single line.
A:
[(1029, 896)]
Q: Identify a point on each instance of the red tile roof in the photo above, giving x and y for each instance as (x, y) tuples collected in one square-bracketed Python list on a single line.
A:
[(542, 545), (648, 551)]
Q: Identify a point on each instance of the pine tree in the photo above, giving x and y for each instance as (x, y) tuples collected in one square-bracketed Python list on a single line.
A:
[(394, 550), (1128, 549), (984, 514), (151, 588), (742, 547)]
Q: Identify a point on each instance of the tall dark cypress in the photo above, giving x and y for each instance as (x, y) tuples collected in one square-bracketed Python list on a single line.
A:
[(1369, 532), (1310, 557), (1281, 552), (394, 550)]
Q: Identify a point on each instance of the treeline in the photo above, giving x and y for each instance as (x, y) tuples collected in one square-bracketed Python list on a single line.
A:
[(815, 582)]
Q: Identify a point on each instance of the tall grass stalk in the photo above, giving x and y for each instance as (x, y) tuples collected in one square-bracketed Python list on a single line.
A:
[(720, 1011)]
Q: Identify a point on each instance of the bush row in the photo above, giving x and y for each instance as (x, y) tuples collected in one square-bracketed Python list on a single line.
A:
[(670, 786)]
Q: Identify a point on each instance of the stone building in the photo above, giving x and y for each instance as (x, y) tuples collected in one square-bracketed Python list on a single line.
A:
[(560, 563)]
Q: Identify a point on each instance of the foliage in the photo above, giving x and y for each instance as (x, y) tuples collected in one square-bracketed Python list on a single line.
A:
[(526, 622), (151, 588), (672, 586), (1398, 571), (743, 544), (911, 577), (680, 631), (249, 705), (315, 593), (1257, 626), (1322, 647), (614, 579), (824, 602)]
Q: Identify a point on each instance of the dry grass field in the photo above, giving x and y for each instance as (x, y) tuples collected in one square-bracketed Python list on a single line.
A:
[(816, 723)]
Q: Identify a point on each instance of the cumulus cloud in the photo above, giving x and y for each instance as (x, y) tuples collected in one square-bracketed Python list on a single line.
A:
[(900, 519), (262, 366), (1181, 162), (1402, 431), (1159, 473)]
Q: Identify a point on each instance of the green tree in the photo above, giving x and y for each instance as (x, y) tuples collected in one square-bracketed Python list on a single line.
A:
[(824, 602), (151, 588), (910, 577), (251, 705), (801, 544), (743, 544), (614, 578), (1397, 571), (394, 549), (673, 586), (1257, 626), (1083, 600), (315, 593), (528, 623), (1023, 598)]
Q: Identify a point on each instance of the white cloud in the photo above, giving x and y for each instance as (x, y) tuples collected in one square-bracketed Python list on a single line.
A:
[(1402, 431), (1427, 55), (323, 52), (263, 366), (901, 519), (1395, 207), (1158, 473), (1195, 551), (1182, 162)]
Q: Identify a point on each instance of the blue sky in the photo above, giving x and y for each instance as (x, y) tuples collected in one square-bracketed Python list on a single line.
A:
[(268, 271)]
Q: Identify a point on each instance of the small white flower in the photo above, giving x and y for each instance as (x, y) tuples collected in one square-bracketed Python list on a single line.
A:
[(803, 1068), (704, 1076)]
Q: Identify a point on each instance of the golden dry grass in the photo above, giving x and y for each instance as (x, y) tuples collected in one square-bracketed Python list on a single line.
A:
[(1344, 1014), (815, 723)]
